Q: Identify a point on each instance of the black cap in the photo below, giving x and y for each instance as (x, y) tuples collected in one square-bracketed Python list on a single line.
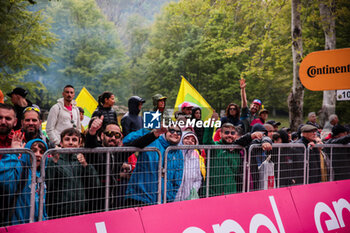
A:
[(337, 129), (18, 91), (273, 123)]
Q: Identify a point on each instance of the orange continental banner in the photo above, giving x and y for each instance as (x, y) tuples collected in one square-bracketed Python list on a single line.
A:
[(326, 70)]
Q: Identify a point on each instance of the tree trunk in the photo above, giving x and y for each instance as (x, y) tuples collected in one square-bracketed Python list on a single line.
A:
[(296, 97), (327, 13)]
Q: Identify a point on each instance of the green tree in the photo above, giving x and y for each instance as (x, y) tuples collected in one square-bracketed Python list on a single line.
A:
[(23, 36), (88, 54)]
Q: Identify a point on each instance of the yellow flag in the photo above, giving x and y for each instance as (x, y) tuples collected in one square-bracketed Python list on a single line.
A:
[(88, 103), (187, 93)]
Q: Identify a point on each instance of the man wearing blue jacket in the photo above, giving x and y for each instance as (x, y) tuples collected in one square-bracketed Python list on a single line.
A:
[(143, 185), (16, 179)]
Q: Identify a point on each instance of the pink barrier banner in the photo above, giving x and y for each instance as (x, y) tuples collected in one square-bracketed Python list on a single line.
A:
[(262, 211), (311, 208), (127, 220), (323, 207)]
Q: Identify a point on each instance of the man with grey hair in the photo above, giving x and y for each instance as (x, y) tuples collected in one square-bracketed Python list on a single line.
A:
[(312, 118), (328, 126)]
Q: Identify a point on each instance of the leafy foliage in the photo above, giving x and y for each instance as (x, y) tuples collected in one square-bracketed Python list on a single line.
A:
[(23, 35)]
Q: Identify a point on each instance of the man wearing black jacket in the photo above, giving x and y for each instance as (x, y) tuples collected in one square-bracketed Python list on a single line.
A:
[(131, 121), (340, 156), (111, 136)]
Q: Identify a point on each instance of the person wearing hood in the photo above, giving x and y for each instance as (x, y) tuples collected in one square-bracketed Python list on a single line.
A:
[(105, 103), (18, 98), (143, 185), (131, 121), (193, 169), (63, 115), (16, 179)]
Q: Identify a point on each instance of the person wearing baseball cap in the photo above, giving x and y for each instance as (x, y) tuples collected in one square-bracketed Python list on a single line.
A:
[(274, 124), (248, 115), (340, 135), (18, 99), (159, 103), (186, 108), (340, 158), (263, 115)]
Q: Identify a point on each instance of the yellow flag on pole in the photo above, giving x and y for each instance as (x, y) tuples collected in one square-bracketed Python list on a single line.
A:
[(88, 103), (187, 93)]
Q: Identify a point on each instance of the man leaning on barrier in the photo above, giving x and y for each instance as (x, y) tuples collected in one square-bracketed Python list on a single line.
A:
[(111, 136), (68, 177), (143, 185), (225, 164), (317, 163)]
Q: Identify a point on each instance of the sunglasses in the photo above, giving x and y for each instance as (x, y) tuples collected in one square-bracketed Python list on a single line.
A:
[(111, 134), (233, 108), (31, 109), (229, 132), (178, 132)]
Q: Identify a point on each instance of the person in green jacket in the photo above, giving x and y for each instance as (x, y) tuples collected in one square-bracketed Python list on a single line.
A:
[(68, 177), (224, 164)]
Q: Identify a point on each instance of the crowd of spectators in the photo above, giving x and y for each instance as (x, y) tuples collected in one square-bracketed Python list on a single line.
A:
[(75, 182)]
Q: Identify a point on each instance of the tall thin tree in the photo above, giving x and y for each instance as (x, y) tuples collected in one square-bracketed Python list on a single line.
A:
[(327, 13), (296, 97)]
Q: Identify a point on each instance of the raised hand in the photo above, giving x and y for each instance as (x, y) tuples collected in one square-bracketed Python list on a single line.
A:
[(160, 131), (242, 83), (81, 159), (96, 125), (17, 140)]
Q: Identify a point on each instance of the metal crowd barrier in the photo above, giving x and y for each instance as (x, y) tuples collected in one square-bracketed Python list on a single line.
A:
[(225, 168), (14, 175), (211, 171), (284, 165), (328, 162), (73, 189)]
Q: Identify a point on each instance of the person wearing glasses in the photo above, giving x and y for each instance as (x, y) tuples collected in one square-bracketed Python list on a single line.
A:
[(232, 115), (31, 125), (63, 115), (143, 185), (225, 164), (120, 170), (18, 99)]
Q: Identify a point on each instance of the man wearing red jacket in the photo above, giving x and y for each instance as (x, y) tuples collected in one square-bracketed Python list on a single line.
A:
[(8, 121)]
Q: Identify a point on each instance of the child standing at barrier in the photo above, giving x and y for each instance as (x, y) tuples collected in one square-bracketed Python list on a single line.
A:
[(192, 176), (68, 176), (16, 179)]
